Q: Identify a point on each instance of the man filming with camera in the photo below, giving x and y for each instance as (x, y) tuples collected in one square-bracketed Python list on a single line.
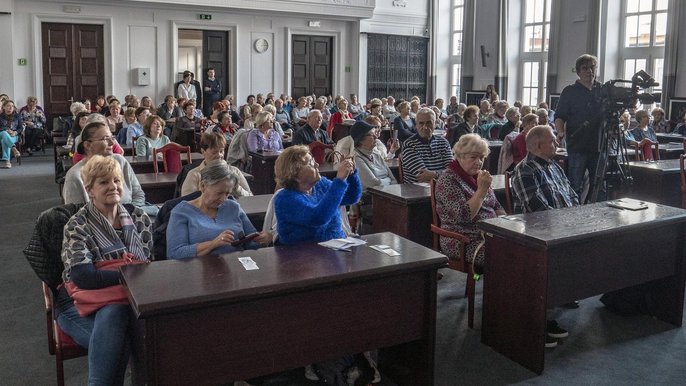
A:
[(578, 120)]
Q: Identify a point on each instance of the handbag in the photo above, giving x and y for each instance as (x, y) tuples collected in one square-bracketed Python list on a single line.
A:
[(88, 301)]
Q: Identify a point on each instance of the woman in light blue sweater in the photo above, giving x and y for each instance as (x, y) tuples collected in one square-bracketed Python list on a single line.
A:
[(212, 222)]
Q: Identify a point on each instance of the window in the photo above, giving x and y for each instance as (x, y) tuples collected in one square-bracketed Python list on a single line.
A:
[(534, 52), (456, 38), (644, 29)]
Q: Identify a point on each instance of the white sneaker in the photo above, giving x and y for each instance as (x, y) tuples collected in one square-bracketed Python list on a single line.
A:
[(310, 374), (5, 164)]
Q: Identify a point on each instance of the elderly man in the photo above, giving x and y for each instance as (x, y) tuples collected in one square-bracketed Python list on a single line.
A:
[(312, 130), (578, 118), (539, 183), (424, 155)]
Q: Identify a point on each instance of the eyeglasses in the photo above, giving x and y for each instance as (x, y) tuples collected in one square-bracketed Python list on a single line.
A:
[(108, 139)]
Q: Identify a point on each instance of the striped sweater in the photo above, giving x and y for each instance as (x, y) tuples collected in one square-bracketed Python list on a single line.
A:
[(420, 154)]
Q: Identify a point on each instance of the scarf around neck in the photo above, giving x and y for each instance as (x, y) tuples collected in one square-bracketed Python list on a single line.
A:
[(109, 243), (470, 180)]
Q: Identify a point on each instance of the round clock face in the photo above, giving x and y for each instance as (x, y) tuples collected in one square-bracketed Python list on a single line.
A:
[(261, 45)]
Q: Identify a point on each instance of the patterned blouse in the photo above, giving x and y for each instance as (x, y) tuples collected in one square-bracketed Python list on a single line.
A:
[(452, 194)]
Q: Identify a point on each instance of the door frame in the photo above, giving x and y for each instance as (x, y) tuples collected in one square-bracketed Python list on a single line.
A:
[(36, 29), (335, 57), (176, 25)]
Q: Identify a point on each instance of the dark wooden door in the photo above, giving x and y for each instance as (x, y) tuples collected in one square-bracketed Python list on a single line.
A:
[(73, 65), (312, 60), (396, 65), (215, 54)]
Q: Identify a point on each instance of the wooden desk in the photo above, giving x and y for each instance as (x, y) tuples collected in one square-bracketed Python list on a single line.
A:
[(405, 209), (669, 137), (256, 208), (657, 181), (546, 259), (670, 150), (209, 321), (141, 164), (263, 171), (158, 187)]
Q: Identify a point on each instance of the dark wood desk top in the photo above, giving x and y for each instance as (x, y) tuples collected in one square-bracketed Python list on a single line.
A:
[(671, 137), (660, 166), (265, 155), (550, 228), (168, 286), (408, 193), (255, 204), (134, 159), (156, 179)]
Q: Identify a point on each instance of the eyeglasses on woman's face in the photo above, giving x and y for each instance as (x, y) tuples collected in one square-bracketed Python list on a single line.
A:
[(108, 139)]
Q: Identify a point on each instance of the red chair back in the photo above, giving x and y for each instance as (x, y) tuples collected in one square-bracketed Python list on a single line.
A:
[(318, 150), (171, 157)]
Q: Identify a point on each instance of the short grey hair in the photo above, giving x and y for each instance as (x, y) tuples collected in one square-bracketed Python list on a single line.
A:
[(217, 172), (426, 110), (535, 135), (471, 143), (511, 112)]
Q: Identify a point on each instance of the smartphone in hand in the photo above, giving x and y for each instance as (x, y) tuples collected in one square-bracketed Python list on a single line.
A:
[(245, 239)]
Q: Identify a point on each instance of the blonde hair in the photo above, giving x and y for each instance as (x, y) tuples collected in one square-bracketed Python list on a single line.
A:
[(288, 166), (262, 117), (100, 166), (471, 143)]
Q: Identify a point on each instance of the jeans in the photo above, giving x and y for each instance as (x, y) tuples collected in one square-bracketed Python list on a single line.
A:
[(105, 335), (577, 164), (6, 142)]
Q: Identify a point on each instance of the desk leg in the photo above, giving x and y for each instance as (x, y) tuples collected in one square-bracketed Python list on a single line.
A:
[(514, 304), (668, 293)]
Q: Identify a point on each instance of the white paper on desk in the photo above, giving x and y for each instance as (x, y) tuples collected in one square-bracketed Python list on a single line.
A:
[(385, 249), (422, 184), (248, 263), (342, 243)]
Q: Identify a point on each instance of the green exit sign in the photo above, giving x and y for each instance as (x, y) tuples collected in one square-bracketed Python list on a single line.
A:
[(22, 61), (203, 16)]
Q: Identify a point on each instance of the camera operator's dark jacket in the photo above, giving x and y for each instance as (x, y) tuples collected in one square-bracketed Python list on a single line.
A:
[(581, 109)]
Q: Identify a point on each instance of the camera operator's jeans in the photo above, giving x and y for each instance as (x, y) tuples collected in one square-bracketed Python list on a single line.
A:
[(105, 334), (577, 164)]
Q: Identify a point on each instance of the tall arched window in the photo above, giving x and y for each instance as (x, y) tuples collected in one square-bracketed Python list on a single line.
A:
[(456, 39), (534, 50)]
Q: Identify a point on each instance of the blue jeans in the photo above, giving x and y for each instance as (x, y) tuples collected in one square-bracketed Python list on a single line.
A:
[(105, 335), (7, 141), (577, 164)]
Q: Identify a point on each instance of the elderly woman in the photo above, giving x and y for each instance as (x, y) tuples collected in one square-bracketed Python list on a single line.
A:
[(404, 124), (470, 125), (211, 223), (498, 115), (660, 124), (643, 135), (102, 230), (339, 116), (307, 209), (212, 146), (464, 196), (519, 143), (96, 139), (371, 165), (299, 113), (375, 110), (355, 107), (34, 120), (116, 119), (11, 127), (136, 129), (152, 137), (512, 115), (184, 128), (263, 137), (251, 116)]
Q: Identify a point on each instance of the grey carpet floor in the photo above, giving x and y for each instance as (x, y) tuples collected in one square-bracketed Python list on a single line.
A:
[(602, 349)]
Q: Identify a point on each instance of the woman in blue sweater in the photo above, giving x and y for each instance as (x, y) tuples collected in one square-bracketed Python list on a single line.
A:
[(307, 208), (210, 223)]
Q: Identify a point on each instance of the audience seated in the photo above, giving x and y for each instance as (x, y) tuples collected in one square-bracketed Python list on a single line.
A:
[(80, 121), (484, 111), (170, 112), (115, 119), (339, 117), (464, 196), (34, 121), (424, 155), (152, 137), (251, 115), (660, 124), (213, 221), (370, 164), (97, 140), (643, 134), (320, 104), (136, 129), (312, 130), (470, 125), (404, 124), (11, 128), (100, 231), (498, 115), (92, 117), (299, 113), (185, 127), (519, 143), (355, 109), (512, 124), (263, 137)]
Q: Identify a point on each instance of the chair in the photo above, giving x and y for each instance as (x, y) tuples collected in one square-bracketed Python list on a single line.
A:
[(401, 180), (682, 172), (458, 264), (171, 157), (640, 151), (61, 345), (318, 150), (509, 207)]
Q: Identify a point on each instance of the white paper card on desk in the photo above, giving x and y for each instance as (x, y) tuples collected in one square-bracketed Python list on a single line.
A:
[(385, 249), (248, 263), (627, 203), (342, 244)]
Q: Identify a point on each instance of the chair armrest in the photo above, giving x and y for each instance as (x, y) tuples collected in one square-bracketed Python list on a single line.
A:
[(453, 235)]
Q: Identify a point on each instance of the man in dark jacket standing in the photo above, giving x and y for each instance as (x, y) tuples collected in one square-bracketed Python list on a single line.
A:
[(212, 91)]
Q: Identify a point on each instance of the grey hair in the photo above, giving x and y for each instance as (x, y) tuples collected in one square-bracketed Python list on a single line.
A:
[(511, 112), (217, 172), (426, 110), (535, 135)]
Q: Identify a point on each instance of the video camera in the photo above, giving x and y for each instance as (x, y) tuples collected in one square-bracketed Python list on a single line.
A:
[(616, 97)]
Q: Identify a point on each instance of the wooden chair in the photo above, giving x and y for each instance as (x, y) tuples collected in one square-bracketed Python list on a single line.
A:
[(171, 157), (318, 150), (640, 156), (509, 204), (459, 263), (400, 169), (682, 172), (61, 345)]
